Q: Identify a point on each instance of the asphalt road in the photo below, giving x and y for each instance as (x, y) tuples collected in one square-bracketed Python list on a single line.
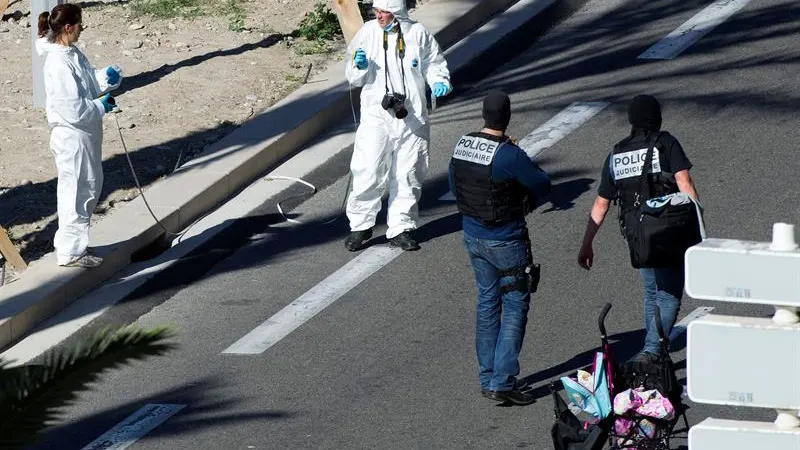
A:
[(391, 363)]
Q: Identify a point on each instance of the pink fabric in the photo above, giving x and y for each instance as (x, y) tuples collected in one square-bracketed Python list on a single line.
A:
[(645, 403), (631, 405)]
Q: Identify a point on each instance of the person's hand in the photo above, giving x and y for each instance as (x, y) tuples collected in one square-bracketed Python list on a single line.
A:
[(586, 256), (360, 59), (440, 89), (108, 102), (513, 140), (112, 74)]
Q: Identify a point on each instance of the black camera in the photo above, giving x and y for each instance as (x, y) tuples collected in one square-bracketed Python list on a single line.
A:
[(395, 104)]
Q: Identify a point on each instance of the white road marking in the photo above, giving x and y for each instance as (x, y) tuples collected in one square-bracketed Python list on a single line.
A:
[(138, 424), (693, 29), (557, 128), (314, 300), (681, 326), (552, 131)]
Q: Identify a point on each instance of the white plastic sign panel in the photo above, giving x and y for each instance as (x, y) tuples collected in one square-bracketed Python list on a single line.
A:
[(717, 434), (743, 272), (743, 361)]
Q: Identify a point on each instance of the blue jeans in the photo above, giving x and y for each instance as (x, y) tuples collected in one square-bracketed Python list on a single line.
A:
[(662, 287), (501, 317)]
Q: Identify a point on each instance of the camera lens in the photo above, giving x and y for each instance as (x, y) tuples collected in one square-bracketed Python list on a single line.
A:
[(401, 113)]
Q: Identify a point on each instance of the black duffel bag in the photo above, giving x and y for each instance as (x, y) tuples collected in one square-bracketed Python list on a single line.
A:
[(568, 433), (660, 230)]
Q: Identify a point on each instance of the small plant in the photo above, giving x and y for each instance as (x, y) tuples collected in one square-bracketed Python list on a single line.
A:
[(320, 24), (312, 48), (236, 15), (166, 9)]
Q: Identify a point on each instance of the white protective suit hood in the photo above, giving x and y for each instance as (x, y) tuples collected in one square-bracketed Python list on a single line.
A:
[(44, 46), (396, 7)]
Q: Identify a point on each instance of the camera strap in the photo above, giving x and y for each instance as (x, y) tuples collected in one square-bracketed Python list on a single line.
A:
[(401, 52)]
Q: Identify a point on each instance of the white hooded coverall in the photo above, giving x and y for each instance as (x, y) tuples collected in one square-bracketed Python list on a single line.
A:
[(389, 150), (75, 117)]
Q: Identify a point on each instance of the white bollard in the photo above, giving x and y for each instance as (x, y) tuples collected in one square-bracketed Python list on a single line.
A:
[(783, 237)]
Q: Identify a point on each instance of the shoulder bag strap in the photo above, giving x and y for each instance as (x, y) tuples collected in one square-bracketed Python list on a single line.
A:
[(641, 194)]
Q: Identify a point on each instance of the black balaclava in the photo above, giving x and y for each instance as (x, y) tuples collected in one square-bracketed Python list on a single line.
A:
[(644, 113), (496, 110)]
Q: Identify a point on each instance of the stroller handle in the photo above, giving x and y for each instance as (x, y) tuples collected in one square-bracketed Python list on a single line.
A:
[(601, 321)]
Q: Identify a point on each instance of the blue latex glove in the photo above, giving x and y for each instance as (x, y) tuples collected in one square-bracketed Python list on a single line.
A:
[(360, 59), (440, 89), (113, 75), (108, 102)]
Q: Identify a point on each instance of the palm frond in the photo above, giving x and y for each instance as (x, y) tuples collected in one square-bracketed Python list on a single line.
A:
[(32, 395)]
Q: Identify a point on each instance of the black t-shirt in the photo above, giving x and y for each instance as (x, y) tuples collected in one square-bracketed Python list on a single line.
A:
[(628, 162)]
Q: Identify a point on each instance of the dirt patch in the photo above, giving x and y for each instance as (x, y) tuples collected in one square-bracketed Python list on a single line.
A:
[(189, 81)]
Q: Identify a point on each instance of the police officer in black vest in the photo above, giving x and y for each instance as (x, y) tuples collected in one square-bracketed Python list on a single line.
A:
[(620, 182), (496, 185)]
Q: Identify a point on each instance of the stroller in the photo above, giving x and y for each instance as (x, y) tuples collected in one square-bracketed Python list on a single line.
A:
[(634, 405)]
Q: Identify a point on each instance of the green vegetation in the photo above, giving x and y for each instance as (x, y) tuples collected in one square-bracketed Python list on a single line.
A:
[(167, 9), (320, 24), (190, 9), (236, 15)]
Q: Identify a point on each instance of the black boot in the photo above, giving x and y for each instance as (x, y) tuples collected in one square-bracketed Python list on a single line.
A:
[(404, 241), (356, 240)]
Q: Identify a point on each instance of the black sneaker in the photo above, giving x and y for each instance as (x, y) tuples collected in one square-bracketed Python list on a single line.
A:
[(404, 241), (521, 384), (516, 397), (356, 240)]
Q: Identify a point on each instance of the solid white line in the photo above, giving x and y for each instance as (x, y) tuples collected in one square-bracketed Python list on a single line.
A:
[(693, 29), (552, 131), (314, 300), (681, 326), (138, 424)]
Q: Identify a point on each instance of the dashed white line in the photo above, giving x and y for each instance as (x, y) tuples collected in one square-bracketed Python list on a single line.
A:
[(693, 29), (314, 300), (138, 424), (557, 128)]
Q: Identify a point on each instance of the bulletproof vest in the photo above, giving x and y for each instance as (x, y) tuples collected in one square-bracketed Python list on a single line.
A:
[(477, 194), (626, 164)]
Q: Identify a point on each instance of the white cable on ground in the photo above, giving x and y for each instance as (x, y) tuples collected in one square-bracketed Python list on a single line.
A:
[(314, 188), (116, 111)]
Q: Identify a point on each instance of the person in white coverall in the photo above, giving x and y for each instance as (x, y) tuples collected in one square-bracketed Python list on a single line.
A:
[(392, 58), (76, 101)]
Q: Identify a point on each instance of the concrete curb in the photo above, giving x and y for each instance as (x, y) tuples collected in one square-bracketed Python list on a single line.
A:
[(260, 144)]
